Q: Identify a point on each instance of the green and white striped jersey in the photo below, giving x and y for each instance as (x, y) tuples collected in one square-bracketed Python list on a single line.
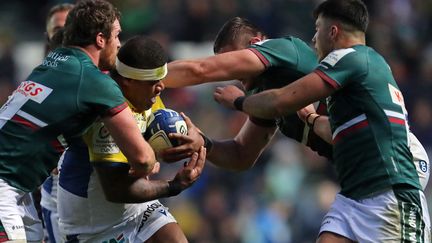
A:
[(60, 99), (369, 122)]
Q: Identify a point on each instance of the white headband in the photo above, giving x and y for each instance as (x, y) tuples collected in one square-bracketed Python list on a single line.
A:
[(141, 74)]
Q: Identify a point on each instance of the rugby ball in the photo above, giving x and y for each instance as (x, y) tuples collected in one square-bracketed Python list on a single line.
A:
[(161, 123)]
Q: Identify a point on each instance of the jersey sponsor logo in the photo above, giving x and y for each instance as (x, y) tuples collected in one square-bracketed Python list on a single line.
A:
[(411, 221), (33, 91), (423, 166), (27, 90), (103, 143), (53, 58), (396, 95), (163, 211), (334, 56), (148, 212)]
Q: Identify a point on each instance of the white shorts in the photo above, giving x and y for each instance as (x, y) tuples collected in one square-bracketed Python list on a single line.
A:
[(381, 218), (51, 219), (18, 215), (138, 230)]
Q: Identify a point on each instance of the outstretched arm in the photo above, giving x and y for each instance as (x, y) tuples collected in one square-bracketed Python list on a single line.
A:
[(241, 64), (278, 102), (237, 154)]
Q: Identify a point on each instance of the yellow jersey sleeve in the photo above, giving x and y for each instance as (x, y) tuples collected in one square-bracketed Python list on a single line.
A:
[(157, 105), (101, 145)]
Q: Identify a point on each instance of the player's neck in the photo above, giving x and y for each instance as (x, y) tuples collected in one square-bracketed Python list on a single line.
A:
[(349, 40), (92, 52)]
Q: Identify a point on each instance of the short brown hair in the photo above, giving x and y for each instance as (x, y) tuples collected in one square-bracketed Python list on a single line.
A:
[(234, 30), (87, 19)]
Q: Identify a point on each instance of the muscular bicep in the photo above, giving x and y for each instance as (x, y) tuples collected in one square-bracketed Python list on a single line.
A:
[(233, 65), (127, 136)]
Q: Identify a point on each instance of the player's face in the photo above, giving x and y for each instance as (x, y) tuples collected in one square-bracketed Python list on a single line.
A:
[(323, 39), (142, 94), (56, 22), (108, 54)]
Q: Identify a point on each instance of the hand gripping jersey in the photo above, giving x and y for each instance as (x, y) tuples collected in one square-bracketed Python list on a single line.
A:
[(82, 206), (58, 101), (368, 122), (286, 60)]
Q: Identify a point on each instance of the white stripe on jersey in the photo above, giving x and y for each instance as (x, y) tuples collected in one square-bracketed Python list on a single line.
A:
[(348, 124), (394, 114), (31, 118)]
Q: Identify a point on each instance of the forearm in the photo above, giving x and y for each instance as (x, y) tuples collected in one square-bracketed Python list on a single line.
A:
[(183, 73), (120, 187), (288, 99), (226, 154), (321, 127), (241, 153), (143, 190), (266, 105)]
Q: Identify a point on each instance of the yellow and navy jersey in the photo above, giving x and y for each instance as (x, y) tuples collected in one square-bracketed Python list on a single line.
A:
[(80, 194), (101, 145)]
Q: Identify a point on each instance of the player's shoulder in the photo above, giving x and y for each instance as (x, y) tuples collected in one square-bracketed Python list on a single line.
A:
[(354, 56), (286, 40)]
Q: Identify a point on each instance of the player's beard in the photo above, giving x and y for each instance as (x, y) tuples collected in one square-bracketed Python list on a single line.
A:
[(107, 59)]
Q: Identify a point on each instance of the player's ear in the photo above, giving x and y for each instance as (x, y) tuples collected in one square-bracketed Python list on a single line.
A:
[(100, 40), (334, 30), (254, 40)]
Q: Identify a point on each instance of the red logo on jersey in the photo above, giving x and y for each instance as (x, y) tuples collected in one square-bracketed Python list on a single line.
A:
[(29, 88), (399, 96)]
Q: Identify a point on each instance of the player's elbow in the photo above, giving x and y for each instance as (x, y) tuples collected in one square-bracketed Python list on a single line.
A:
[(142, 163)]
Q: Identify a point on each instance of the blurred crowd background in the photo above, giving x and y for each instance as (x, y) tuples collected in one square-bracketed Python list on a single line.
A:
[(285, 195)]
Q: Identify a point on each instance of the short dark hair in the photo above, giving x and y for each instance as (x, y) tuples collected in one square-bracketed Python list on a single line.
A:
[(234, 30), (350, 12), (56, 40), (87, 19), (58, 8), (142, 52)]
